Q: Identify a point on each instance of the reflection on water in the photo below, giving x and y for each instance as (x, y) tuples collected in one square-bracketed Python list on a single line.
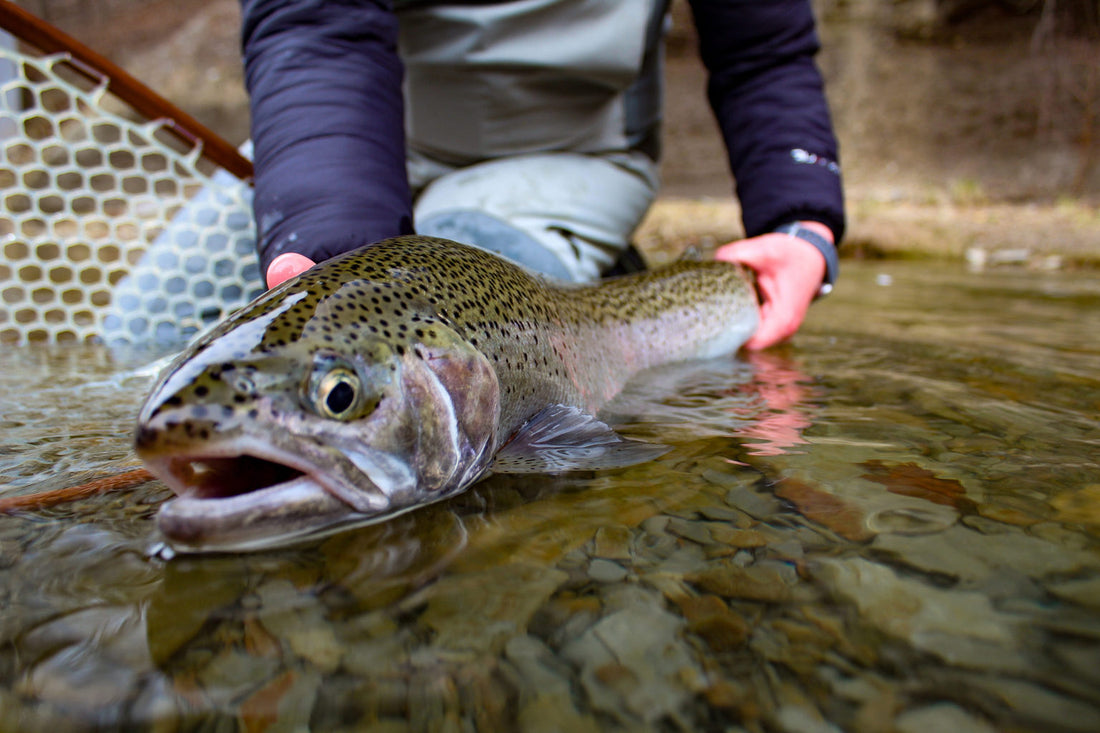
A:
[(890, 525)]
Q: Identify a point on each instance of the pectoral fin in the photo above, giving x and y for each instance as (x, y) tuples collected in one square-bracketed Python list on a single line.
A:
[(561, 438)]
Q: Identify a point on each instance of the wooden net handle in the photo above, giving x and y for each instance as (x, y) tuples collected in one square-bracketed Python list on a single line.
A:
[(48, 39)]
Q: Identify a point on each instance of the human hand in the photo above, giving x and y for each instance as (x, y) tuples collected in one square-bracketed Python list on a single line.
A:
[(789, 272), (286, 266)]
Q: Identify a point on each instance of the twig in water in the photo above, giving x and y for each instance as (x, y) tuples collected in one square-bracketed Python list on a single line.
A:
[(43, 499)]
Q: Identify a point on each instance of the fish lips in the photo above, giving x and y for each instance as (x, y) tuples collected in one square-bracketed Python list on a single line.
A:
[(277, 515), (243, 496)]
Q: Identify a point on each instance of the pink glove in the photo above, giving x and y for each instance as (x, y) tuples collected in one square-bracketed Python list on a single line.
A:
[(286, 266), (789, 272)]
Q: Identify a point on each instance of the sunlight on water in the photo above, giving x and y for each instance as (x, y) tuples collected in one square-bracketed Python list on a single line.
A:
[(891, 524)]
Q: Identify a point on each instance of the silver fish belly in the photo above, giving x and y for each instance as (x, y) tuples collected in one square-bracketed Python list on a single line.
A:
[(399, 374)]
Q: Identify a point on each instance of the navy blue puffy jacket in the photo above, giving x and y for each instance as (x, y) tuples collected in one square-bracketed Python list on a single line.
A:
[(325, 79)]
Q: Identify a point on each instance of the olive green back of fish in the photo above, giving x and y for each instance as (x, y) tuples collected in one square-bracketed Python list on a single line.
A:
[(547, 342)]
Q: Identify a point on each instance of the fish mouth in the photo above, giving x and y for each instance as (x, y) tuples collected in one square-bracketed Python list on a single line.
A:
[(224, 477), (229, 500)]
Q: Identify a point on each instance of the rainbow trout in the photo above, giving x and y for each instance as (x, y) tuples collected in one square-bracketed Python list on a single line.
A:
[(399, 374)]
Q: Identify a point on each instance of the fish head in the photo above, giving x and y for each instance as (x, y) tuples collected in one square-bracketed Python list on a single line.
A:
[(295, 418)]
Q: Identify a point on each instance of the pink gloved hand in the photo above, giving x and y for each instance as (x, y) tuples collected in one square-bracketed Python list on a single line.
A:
[(286, 266), (789, 272)]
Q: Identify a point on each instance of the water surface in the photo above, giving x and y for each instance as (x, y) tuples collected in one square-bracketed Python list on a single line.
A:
[(891, 524)]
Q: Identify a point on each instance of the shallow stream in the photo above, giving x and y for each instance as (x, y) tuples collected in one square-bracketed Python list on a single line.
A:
[(892, 524)]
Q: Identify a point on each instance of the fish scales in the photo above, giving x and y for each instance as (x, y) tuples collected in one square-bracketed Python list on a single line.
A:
[(445, 340)]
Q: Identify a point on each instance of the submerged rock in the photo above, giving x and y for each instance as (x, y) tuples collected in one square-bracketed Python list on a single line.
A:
[(792, 719), (940, 717), (480, 611), (756, 505), (1043, 707), (298, 618), (843, 517), (88, 663), (284, 704), (958, 626), (1079, 505), (971, 557), (634, 663), (606, 571), (772, 582), (612, 542), (546, 698), (1083, 591), (711, 619)]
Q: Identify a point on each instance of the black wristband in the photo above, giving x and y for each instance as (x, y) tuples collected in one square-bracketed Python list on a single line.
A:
[(824, 246)]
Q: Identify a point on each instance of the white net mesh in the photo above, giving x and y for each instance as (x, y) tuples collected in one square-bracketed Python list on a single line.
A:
[(109, 230)]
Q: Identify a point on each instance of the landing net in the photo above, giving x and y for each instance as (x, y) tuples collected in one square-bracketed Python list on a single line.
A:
[(111, 230)]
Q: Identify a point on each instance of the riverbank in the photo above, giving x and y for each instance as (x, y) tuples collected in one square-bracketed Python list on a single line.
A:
[(1040, 236)]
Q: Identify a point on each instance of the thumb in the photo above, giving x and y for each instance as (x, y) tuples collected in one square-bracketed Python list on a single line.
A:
[(286, 266)]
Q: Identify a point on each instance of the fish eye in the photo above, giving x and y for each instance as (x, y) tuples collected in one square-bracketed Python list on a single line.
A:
[(337, 394), (337, 388)]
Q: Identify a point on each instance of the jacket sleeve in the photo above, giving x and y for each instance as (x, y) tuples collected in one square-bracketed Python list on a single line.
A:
[(768, 96), (324, 81)]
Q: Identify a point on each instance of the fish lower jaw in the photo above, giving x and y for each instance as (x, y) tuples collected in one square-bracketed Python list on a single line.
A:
[(276, 515), (229, 500)]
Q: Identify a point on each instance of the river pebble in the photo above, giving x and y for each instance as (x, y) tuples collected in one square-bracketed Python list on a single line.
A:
[(756, 505), (546, 698), (299, 618), (283, 705), (65, 675), (771, 582), (941, 717), (710, 618), (231, 672), (907, 608), (1083, 591), (371, 656), (971, 557), (1041, 706), (636, 676), (479, 612), (961, 627), (19, 714), (606, 571), (612, 542), (794, 719)]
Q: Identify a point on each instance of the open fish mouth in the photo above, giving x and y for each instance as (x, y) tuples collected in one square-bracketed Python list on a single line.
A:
[(244, 502), (224, 477)]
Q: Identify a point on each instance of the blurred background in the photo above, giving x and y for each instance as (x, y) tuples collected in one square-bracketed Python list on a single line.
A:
[(964, 124)]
